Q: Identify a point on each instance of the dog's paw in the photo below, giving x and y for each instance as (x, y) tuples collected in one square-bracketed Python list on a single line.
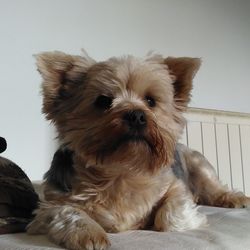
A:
[(242, 202), (233, 200), (69, 227), (86, 240), (79, 234)]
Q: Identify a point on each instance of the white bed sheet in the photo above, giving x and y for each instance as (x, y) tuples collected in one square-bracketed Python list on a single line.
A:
[(228, 229)]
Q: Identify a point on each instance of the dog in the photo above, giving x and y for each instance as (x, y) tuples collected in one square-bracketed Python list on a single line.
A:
[(119, 166)]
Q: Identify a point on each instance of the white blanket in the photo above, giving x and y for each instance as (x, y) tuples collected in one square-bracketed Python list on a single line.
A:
[(228, 229)]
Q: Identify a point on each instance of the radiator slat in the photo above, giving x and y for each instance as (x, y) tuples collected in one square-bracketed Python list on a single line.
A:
[(245, 142), (183, 139), (223, 154), (194, 142), (209, 144), (235, 157)]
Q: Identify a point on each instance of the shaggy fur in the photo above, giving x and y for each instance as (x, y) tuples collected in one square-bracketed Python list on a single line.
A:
[(121, 119)]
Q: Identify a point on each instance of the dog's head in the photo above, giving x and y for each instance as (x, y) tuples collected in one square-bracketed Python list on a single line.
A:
[(124, 110)]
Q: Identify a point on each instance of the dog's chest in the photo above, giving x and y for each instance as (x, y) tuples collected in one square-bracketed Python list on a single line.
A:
[(128, 202)]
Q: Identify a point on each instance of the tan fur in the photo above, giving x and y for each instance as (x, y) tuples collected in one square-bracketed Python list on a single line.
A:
[(118, 184), (205, 186)]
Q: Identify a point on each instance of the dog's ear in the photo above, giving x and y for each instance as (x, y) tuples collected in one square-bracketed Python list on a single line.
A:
[(183, 70), (62, 74)]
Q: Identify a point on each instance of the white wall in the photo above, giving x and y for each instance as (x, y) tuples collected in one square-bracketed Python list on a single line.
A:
[(216, 30)]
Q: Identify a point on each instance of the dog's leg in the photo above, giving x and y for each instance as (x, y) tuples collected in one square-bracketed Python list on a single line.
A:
[(206, 187), (177, 211), (69, 227)]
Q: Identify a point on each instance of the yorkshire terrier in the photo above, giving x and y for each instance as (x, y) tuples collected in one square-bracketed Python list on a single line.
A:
[(119, 166)]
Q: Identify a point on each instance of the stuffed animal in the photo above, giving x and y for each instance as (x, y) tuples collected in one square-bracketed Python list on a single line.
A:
[(3, 144), (17, 196)]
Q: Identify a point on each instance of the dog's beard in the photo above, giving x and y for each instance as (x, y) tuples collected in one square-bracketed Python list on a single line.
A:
[(148, 150), (127, 144)]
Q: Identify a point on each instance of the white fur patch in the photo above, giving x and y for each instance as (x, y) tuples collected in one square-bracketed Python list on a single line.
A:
[(172, 217)]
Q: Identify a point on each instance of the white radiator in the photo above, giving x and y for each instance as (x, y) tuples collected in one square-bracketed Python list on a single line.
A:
[(224, 138)]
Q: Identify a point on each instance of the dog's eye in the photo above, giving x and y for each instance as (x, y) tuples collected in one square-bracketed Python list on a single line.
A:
[(151, 101), (103, 102)]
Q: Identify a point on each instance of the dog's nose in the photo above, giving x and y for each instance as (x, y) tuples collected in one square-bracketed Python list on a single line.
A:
[(135, 119)]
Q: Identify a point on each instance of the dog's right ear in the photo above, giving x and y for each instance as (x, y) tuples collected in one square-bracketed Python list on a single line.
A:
[(62, 74), (183, 70)]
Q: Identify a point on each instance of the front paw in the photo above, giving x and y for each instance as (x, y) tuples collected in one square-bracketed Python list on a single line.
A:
[(93, 239), (81, 234), (69, 227)]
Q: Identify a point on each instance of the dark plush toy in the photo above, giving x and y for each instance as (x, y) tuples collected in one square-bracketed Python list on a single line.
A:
[(3, 144), (17, 196)]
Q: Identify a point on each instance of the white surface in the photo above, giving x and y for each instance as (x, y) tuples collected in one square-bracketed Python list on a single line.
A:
[(229, 229), (217, 31), (209, 140), (245, 141), (236, 156), (223, 154)]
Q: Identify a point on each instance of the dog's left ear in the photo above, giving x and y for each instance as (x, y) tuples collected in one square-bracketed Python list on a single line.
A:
[(62, 75), (183, 70)]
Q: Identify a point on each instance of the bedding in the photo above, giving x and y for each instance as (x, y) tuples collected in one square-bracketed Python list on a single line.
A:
[(228, 229)]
